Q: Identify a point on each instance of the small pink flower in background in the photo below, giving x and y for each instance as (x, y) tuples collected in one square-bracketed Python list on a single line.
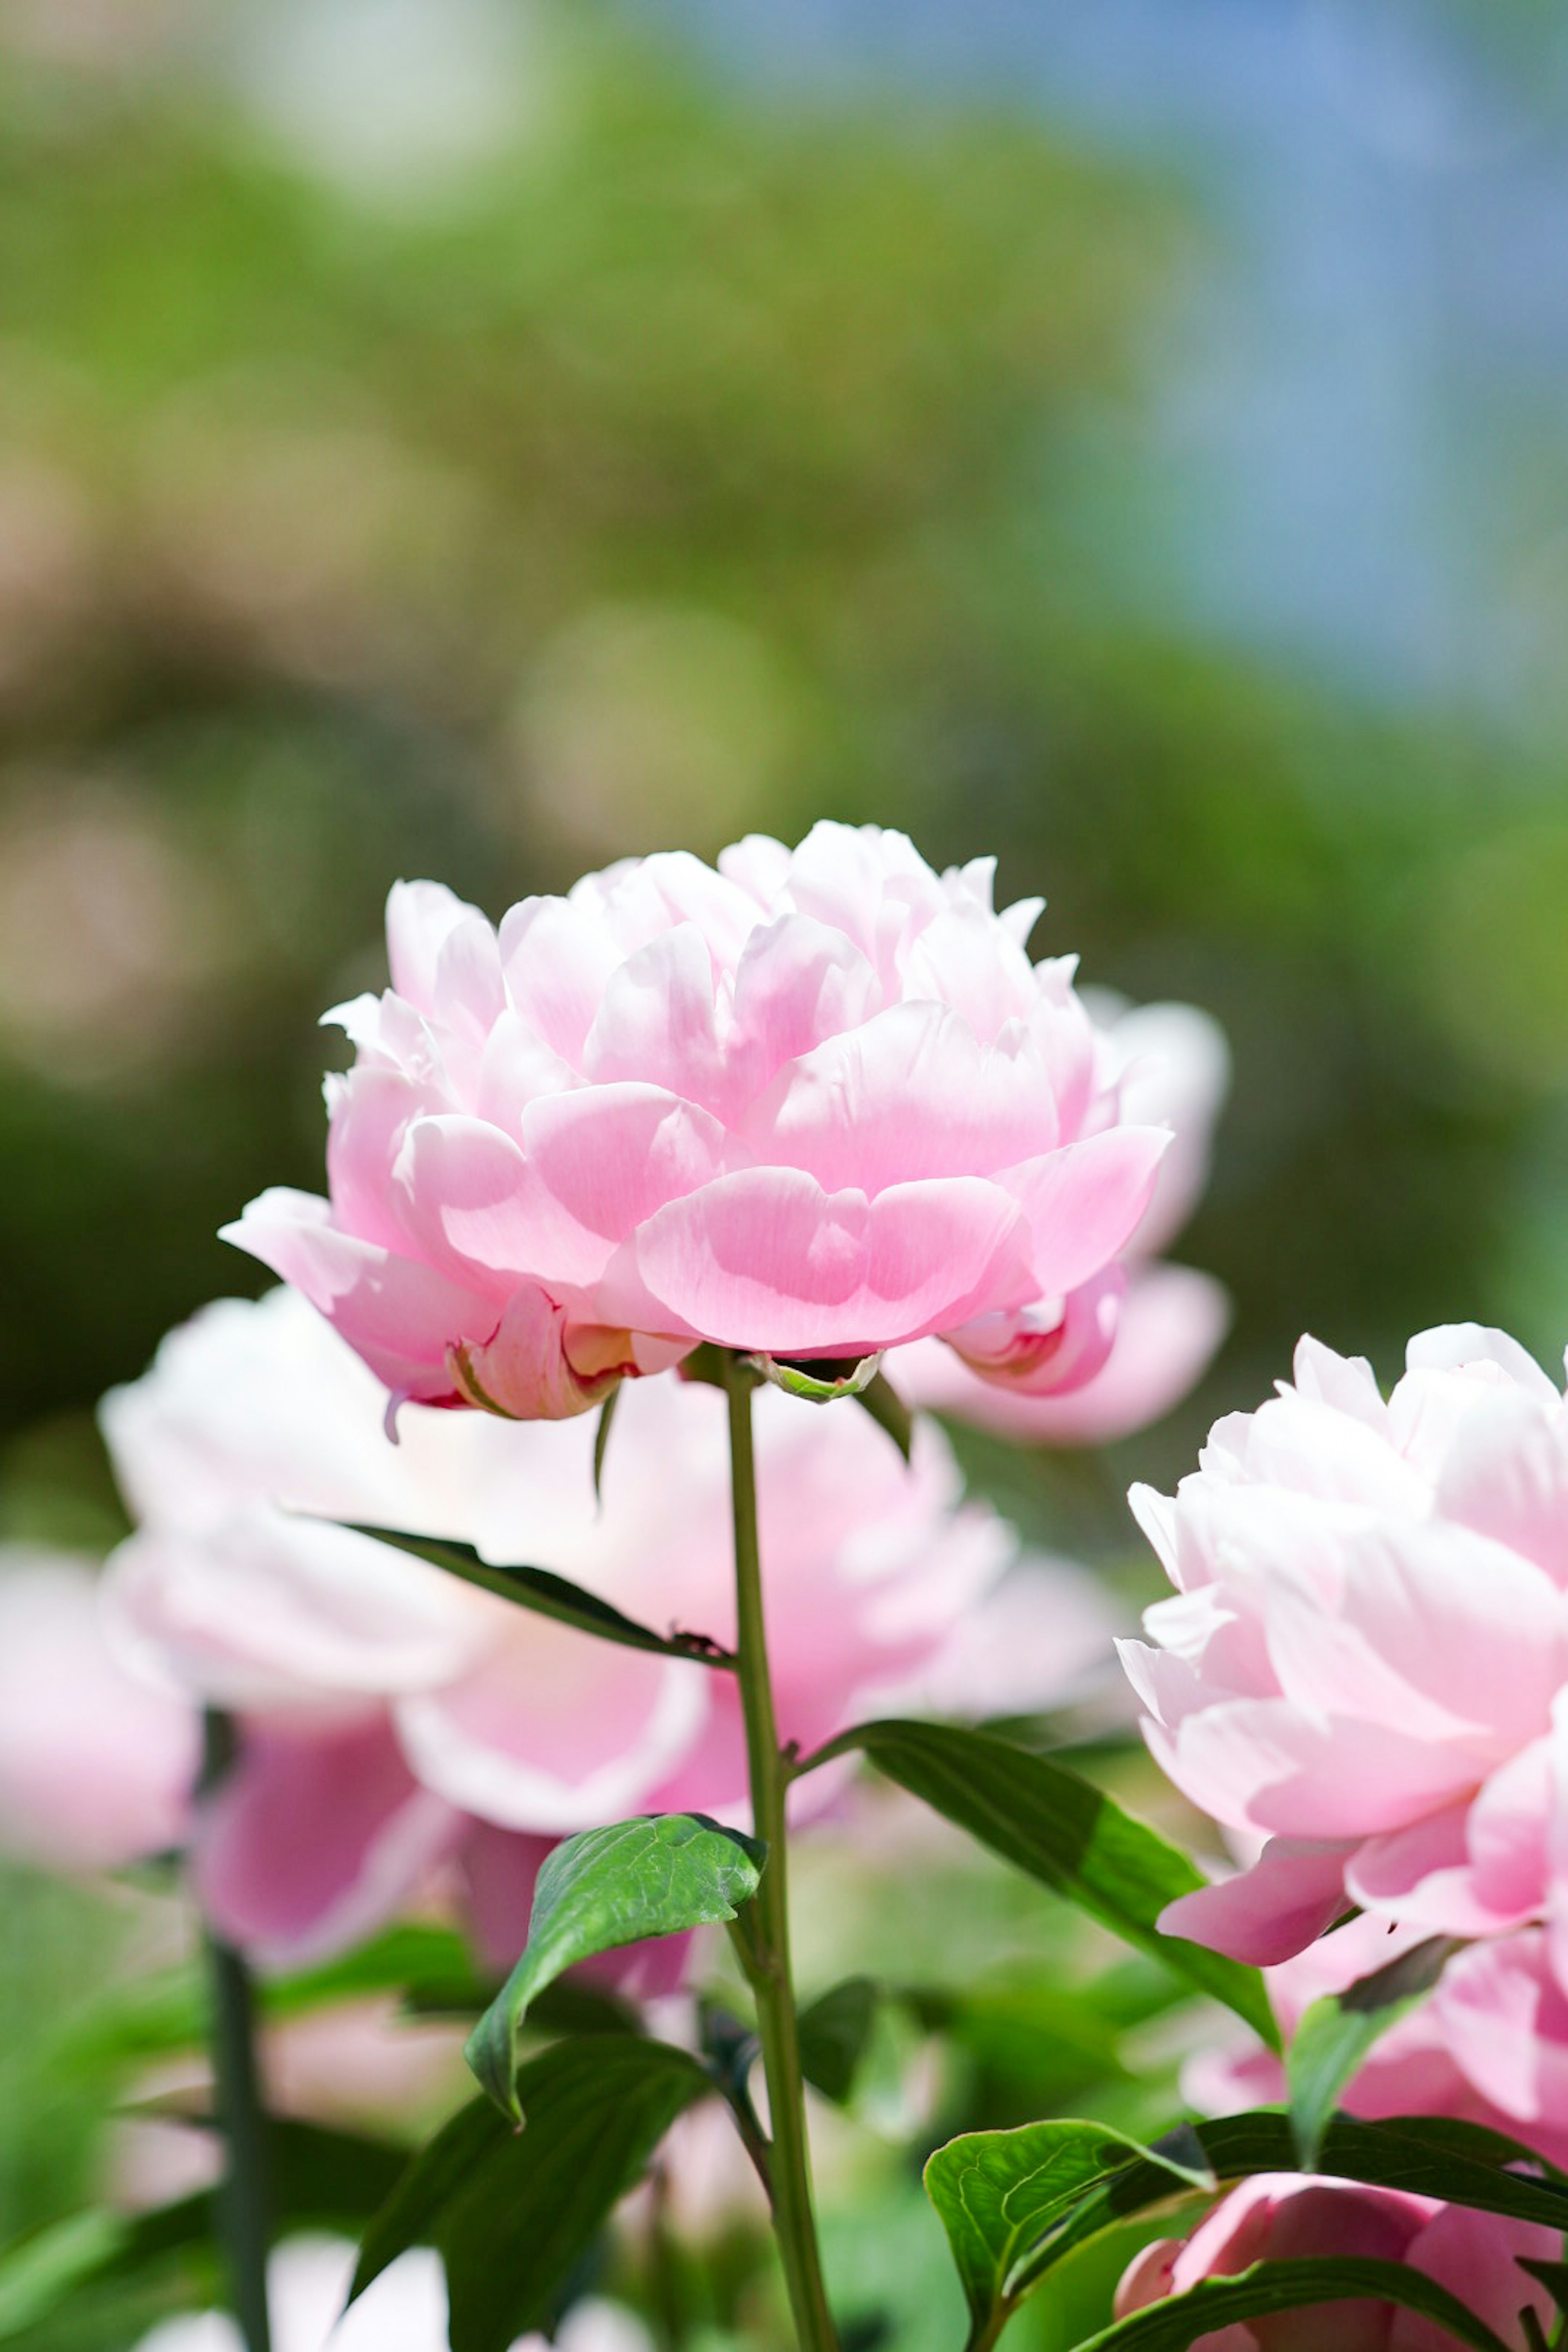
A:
[(428, 1730), (817, 1103), (1285, 2217), (1366, 1657), (404, 2311), (1174, 1071), (96, 1765)]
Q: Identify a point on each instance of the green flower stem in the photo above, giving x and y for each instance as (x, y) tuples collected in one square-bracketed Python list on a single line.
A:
[(766, 1950), (242, 2197)]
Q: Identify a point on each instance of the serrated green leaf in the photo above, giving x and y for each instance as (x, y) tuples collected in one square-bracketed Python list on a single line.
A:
[(1336, 2033), (834, 2031), (1182, 2319), (512, 2212), (651, 1876), (546, 1594), (1066, 1832), (998, 2193)]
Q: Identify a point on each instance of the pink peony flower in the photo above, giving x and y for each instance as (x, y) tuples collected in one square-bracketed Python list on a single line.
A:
[(404, 2311), (421, 1725), (1286, 2217), (816, 1104), (1489, 2044), (1173, 1070), (1366, 1657)]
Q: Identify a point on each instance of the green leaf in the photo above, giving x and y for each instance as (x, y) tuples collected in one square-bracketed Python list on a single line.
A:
[(823, 1382), (1336, 2033), (1553, 2278), (39, 2273), (1182, 2319), (886, 1408), (512, 2212), (998, 2193), (547, 1594), (1456, 2163), (651, 1876), (834, 2031), (1064, 1832)]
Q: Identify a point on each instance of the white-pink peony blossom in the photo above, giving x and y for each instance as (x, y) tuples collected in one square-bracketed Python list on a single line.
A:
[(816, 1104), (1366, 1657), (419, 1723)]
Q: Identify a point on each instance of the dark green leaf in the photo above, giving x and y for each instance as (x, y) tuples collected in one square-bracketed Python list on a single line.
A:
[(998, 2193), (834, 2031), (1064, 1832), (1336, 2033), (602, 1439), (512, 2212), (1457, 2163), (886, 1408), (1553, 2278), (1182, 2319), (547, 1594), (652, 1877)]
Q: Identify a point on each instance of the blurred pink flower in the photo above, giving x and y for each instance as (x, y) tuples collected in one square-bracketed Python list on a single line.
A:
[(1287, 2217), (816, 1103), (1366, 1657), (1488, 2045), (96, 1765), (418, 1723), (404, 2311)]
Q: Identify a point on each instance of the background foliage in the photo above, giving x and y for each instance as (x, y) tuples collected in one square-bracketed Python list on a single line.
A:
[(486, 441)]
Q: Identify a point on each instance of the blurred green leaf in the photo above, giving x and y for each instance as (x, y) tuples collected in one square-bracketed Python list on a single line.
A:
[(997, 2193), (651, 1876), (834, 2029), (1064, 1832), (1336, 2033), (40, 2273), (548, 1595), (1267, 2287), (512, 2211)]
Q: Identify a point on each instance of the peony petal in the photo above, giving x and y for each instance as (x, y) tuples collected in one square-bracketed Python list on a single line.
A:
[(1084, 1202), (1292, 1894)]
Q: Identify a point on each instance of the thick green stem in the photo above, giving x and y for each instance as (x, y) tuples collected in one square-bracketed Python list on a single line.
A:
[(769, 1968), (242, 2197)]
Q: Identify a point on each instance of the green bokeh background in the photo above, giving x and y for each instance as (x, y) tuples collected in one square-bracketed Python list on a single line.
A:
[(698, 455)]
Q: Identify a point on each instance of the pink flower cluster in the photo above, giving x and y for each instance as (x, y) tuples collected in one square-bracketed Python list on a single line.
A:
[(1366, 1657), (815, 1104), (421, 1727)]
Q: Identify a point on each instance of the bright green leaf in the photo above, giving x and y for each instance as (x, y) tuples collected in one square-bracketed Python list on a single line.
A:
[(512, 2212), (547, 1594), (652, 1877), (1064, 1832), (822, 1385), (1182, 2319), (37, 2274), (834, 2031), (1335, 2035), (998, 2193)]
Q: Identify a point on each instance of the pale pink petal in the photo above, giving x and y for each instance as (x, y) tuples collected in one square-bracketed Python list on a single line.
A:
[(655, 1023), (1506, 1475), (1175, 1073), (553, 1730), (1084, 1202), (1291, 1894), (1422, 1876), (1505, 2017), (318, 1835), (1456, 1347), (400, 1314), (765, 1259), (1477, 2257), (796, 984), (557, 962), (420, 918), (1048, 1348)]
